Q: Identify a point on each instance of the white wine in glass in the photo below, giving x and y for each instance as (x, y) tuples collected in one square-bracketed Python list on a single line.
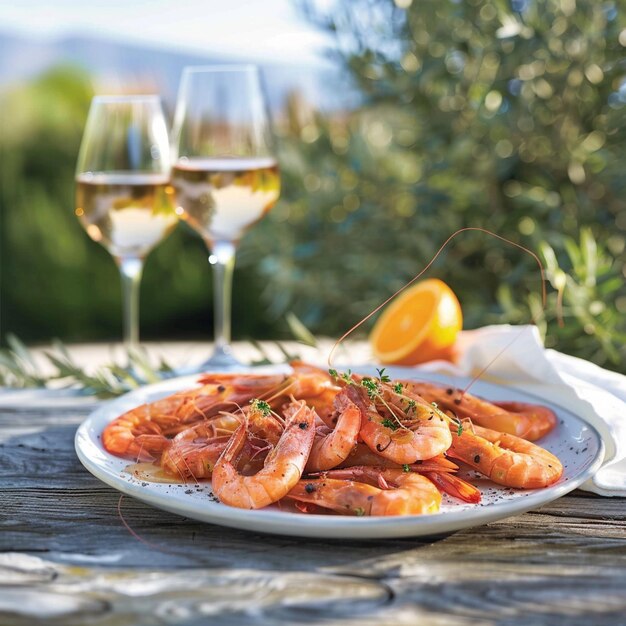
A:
[(124, 199), (224, 173), (222, 198), (127, 213)]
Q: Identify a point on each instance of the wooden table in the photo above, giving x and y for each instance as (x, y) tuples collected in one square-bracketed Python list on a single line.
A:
[(67, 558)]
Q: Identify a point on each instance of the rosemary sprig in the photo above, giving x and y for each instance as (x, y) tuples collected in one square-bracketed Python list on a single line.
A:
[(55, 369)]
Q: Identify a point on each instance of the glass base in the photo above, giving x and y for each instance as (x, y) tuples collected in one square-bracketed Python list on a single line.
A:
[(221, 360)]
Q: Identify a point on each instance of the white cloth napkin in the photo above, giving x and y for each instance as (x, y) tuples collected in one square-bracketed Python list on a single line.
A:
[(595, 394)]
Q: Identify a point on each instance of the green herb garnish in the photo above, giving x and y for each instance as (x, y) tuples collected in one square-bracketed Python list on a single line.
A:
[(389, 424), (347, 377), (360, 511), (261, 406), (371, 386), (406, 468), (398, 387), (382, 376)]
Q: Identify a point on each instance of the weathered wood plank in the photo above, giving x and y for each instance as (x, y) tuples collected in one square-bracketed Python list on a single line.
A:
[(76, 594), (438, 595), (85, 521), (565, 563)]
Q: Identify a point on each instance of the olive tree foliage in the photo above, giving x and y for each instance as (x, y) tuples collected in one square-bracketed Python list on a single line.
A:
[(508, 116)]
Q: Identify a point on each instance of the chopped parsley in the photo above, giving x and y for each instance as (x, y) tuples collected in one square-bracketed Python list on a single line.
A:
[(406, 468), (389, 424), (261, 406), (333, 373), (398, 387), (360, 511)]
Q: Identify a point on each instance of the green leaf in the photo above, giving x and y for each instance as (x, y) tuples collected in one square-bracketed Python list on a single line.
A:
[(300, 331)]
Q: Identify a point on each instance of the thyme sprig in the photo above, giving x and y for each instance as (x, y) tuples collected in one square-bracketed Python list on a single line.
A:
[(412, 406), (374, 392), (373, 387), (382, 376)]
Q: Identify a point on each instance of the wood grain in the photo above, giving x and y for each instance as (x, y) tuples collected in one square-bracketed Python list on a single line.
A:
[(66, 558)]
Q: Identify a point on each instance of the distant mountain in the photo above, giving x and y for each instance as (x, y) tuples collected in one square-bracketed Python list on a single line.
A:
[(118, 64)]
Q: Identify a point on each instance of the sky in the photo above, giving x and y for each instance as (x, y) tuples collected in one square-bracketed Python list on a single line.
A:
[(270, 30)]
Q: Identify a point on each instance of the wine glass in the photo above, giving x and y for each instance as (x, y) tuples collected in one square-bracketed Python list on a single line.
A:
[(123, 196), (224, 173)]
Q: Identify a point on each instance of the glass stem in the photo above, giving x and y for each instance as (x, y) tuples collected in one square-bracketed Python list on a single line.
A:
[(222, 260), (130, 270)]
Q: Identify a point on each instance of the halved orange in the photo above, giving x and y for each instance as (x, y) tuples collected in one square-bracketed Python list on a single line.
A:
[(420, 325)]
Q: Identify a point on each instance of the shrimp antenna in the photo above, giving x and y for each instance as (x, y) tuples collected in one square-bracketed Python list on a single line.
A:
[(428, 266), (136, 535)]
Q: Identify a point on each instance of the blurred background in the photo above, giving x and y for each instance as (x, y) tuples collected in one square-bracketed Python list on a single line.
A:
[(396, 122)]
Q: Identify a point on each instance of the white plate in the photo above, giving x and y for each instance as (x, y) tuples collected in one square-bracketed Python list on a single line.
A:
[(576, 443)]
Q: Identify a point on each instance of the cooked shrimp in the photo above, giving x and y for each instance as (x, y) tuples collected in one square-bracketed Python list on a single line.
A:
[(143, 432), (354, 492), (306, 382), (195, 451), (331, 447), (516, 418), (133, 436), (193, 454), (398, 437), (282, 468), (243, 381), (542, 419), (362, 455), (438, 470), (194, 458), (316, 387), (371, 446), (506, 459), (324, 406)]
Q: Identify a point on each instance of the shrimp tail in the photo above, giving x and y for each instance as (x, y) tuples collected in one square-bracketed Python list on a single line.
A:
[(455, 486)]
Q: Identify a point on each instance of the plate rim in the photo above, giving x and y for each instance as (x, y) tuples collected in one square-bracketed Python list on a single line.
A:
[(376, 527)]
